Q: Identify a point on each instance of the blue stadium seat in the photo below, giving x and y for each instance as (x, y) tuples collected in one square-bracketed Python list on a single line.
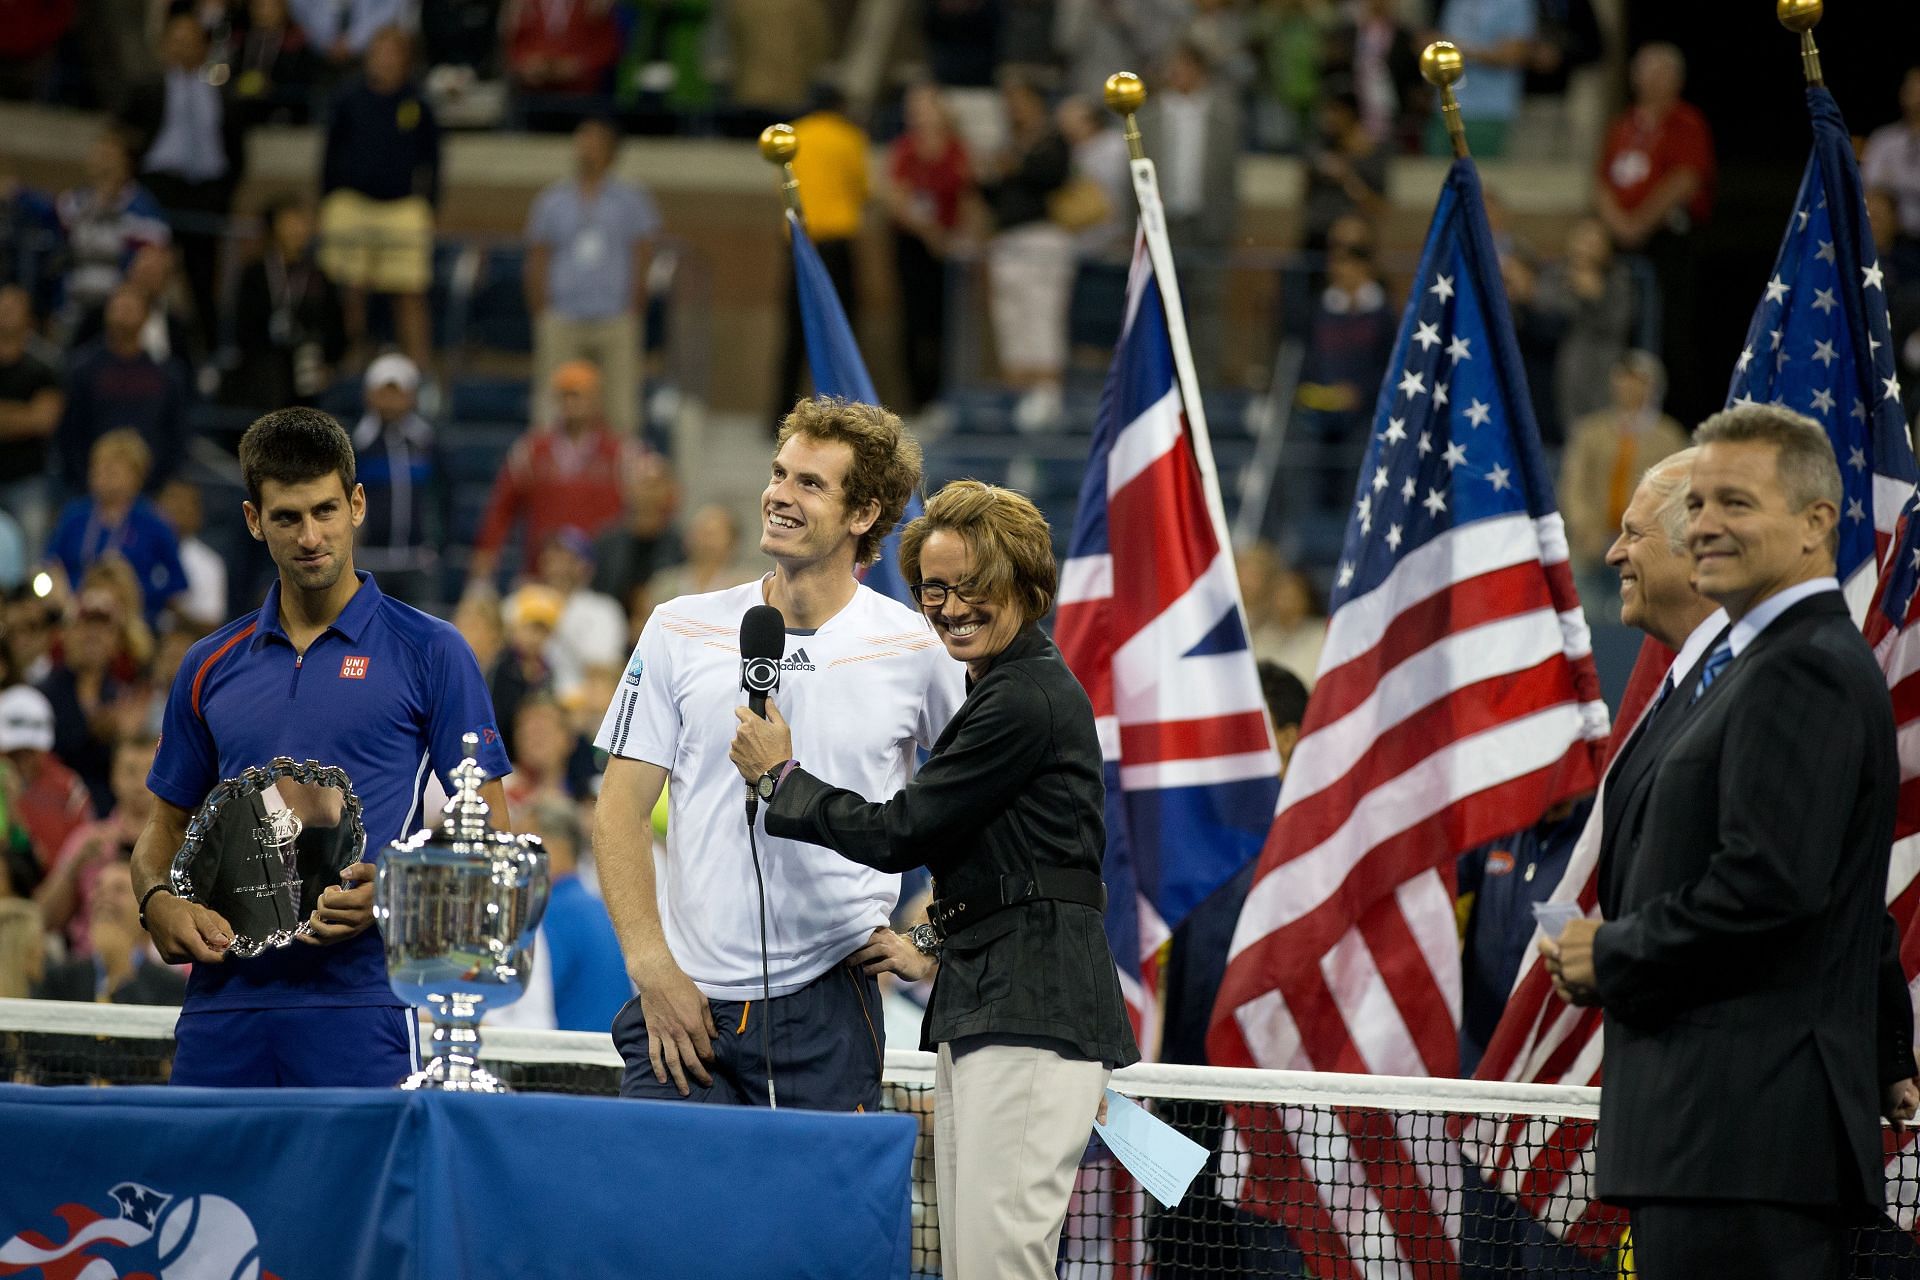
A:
[(497, 315)]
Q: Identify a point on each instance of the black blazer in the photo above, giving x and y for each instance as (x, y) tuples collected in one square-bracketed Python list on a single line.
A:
[(1750, 1019), (1015, 782)]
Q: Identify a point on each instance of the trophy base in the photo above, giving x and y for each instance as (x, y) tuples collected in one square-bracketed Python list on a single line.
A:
[(437, 1074)]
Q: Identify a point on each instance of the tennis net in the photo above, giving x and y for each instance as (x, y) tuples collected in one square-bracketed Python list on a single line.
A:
[(1307, 1175)]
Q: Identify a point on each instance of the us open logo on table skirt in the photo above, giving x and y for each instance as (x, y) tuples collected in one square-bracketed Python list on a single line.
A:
[(144, 1233)]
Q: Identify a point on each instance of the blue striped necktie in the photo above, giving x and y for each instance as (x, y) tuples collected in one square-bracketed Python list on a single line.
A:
[(1716, 663)]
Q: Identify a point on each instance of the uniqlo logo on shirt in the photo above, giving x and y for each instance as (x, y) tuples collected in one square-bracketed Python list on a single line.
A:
[(353, 667)]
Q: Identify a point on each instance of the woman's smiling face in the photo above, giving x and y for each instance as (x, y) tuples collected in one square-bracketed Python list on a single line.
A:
[(974, 633)]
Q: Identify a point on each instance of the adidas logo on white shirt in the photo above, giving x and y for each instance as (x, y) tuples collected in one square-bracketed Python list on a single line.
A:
[(797, 661)]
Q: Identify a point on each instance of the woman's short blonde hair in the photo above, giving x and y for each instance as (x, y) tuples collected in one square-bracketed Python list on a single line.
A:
[(1011, 543)]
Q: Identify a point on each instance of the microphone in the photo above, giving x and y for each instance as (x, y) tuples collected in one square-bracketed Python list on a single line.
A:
[(763, 639)]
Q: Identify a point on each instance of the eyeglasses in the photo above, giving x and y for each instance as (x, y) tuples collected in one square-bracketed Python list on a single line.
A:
[(931, 595)]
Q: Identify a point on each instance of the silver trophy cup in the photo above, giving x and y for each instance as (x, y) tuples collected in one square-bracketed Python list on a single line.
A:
[(263, 847), (457, 907)]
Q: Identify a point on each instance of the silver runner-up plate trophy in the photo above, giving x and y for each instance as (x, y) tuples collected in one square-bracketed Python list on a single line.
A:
[(265, 844), (457, 907)]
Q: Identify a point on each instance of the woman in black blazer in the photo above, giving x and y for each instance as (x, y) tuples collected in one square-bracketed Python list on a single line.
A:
[(1026, 1014)]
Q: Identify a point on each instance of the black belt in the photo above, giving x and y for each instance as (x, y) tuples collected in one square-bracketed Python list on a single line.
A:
[(1061, 884)]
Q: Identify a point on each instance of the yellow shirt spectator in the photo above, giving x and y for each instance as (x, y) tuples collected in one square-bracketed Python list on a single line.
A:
[(831, 166)]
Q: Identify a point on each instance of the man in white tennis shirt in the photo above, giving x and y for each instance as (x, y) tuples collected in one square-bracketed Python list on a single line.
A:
[(872, 683)]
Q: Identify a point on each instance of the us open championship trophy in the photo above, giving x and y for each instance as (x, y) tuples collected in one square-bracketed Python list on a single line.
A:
[(458, 907), (265, 844)]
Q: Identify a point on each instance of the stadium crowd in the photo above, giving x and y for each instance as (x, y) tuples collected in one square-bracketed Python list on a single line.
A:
[(142, 300)]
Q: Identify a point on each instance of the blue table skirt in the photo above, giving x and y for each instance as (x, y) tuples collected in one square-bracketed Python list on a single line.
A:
[(332, 1184)]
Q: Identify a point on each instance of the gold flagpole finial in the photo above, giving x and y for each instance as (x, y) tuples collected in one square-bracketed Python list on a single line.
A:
[(1442, 66), (777, 146), (1803, 16), (1125, 94)]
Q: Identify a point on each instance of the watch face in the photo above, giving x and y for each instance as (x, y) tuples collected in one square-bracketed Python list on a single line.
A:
[(766, 786)]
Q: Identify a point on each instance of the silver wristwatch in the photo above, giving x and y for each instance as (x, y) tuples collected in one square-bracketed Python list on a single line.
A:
[(926, 940)]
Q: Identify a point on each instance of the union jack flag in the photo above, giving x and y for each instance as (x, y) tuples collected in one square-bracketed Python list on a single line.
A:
[(1150, 623), (1456, 702), (1819, 343)]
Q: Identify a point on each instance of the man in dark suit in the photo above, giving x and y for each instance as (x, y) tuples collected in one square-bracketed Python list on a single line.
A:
[(1756, 1020)]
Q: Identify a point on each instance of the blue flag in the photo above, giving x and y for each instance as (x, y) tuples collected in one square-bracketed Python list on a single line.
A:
[(1820, 344), (834, 360)]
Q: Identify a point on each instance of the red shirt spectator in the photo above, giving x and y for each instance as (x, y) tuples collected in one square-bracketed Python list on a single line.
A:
[(1657, 167), (51, 802), (571, 473), (934, 184), (562, 46)]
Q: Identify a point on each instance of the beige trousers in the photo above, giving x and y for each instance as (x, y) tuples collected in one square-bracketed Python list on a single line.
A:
[(613, 344), (1009, 1125)]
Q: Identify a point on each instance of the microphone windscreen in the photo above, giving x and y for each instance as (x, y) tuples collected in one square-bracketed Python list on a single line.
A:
[(763, 633)]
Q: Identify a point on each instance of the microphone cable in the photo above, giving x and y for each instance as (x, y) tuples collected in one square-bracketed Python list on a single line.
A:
[(766, 981)]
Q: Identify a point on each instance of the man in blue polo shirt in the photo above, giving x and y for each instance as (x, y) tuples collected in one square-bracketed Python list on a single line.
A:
[(332, 670)]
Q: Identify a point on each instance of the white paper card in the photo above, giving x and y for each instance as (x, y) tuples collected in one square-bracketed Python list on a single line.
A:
[(1554, 916), (1160, 1156)]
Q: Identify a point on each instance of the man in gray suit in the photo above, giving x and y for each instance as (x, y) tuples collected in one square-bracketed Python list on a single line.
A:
[(1192, 124), (1756, 1017)]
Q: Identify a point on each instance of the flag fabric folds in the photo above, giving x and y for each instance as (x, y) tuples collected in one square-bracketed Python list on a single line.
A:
[(1820, 344), (1456, 702), (1149, 622), (834, 360)]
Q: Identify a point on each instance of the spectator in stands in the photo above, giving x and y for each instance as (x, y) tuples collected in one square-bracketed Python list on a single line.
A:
[(779, 49), (1295, 630), (92, 708), (1607, 453), (1654, 191), (1346, 169), (381, 185), (462, 34), (1099, 156), (29, 39), (398, 459), (204, 602), (929, 182), (168, 334), (343, 31), (522, 669), (114, 520), (1892, 161), (26, 635), (544, 740), (1097, 37), (275, 68), (1349, 342), (592, 628), (114, 384), (1495, 37), (98, 849), (831, 167), (1289, 36), (192, 152), (104, 222), (1376, 53), (577, 943), (1030, 258), (570, 473), (1195, 122), (50, 801), (1591, 294), (1536, 326), (565, 47), (31, 403), (123, 968), (22, 949), (589, 244), (628, 555), (477, 618), (287, 317), (713, 557)]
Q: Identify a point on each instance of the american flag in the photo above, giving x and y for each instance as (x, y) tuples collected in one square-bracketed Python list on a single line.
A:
[(1819, 343), (1456, 702), (1150, 623)]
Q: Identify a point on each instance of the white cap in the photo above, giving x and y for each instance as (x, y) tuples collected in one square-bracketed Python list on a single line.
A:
[(393, 369), (26, 719)]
